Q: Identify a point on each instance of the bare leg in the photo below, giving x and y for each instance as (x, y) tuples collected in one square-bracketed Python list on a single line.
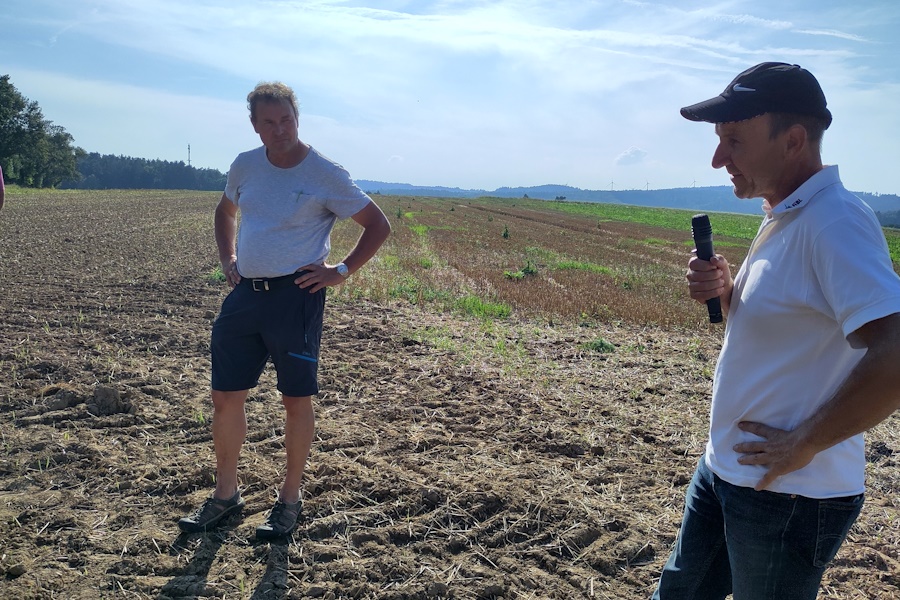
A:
[(229, 429), (299, 428)]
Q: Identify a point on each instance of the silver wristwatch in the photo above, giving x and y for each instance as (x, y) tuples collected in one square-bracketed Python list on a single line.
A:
[(342, 270)]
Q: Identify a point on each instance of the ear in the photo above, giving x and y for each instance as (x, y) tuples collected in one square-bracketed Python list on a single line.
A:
[(253, 122), (796, 140)]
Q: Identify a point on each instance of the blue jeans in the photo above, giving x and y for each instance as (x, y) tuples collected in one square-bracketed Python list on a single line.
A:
[(754, 545)]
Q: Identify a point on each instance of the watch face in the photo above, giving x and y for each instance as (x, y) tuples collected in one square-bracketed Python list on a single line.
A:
[(342, 269)]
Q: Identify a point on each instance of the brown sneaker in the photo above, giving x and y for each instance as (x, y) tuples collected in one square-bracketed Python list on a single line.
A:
[(281, 521), (211, 513)]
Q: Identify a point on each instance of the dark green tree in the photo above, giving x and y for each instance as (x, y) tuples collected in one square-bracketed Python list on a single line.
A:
[(124, 172), (12, 106), (33, 151)]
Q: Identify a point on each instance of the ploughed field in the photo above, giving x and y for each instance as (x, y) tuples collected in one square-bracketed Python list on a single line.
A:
[(513, 400)]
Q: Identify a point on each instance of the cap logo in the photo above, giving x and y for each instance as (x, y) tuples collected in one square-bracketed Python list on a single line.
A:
[(739, 88)]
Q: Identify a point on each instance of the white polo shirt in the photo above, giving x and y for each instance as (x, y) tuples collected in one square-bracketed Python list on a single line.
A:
[(818, 270)]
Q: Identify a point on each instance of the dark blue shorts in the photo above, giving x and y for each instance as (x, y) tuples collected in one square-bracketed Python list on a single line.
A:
[(262, 319)]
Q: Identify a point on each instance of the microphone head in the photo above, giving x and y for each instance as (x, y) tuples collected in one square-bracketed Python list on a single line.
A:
[(700, 226)]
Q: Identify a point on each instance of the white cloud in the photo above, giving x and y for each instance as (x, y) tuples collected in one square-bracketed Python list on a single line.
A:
[(632, 156), (834, 33), (747, 20)]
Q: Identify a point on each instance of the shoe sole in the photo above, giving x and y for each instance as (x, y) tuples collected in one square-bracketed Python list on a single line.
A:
[(188, 527), (269, 534)]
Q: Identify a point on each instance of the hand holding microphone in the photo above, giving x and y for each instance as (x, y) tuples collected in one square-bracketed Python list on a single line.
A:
[(702, 232)]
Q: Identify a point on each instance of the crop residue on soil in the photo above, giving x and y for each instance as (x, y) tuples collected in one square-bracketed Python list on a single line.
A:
[(454, 458)]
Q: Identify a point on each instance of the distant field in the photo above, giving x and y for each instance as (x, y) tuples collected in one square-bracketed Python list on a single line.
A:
[(724, 224), (550, 260), (893, 239), (545, 260)]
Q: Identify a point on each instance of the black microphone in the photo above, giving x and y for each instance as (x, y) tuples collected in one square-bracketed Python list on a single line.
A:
[(702, 231)]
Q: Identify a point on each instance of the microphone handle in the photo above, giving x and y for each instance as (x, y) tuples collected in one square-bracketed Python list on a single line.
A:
[(713, 305)]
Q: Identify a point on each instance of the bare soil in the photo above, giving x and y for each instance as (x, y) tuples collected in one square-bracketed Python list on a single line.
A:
[(454, 458)]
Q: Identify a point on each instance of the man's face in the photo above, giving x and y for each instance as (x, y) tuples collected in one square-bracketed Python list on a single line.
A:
[(276, 125), (754, 160)]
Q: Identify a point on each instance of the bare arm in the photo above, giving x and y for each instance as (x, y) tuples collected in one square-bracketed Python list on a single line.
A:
[(226, 234), (710, 279), (869, 395), (376, 229)]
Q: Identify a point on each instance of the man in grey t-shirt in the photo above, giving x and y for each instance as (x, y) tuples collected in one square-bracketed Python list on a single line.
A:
[(289, 197)]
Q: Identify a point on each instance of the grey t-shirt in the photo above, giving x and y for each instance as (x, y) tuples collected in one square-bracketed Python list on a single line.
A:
[(287, 214)]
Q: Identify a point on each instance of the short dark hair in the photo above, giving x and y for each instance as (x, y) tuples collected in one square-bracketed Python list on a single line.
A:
[(815, 126), (271, 91)]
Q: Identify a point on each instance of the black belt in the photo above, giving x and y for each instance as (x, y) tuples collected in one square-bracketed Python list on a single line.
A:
[(268, 284)]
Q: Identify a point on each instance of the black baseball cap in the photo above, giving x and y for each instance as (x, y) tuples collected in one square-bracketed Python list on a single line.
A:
[(769, 87)]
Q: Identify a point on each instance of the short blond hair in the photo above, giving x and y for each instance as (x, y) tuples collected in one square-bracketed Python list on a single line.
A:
[(271, 91)]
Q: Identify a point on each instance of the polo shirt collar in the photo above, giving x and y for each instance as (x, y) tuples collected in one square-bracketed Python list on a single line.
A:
[(803, 194)]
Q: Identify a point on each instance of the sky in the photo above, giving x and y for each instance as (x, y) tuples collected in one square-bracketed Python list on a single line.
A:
[(458, 93)]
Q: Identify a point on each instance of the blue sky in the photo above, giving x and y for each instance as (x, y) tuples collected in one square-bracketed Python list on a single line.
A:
[(460, 93)]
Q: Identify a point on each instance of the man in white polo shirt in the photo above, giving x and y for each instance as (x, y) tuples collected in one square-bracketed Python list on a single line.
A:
[(808, 363)]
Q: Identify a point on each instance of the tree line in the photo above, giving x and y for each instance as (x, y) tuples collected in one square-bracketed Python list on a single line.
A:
[(34, 152), (106, 171), (889, 219)]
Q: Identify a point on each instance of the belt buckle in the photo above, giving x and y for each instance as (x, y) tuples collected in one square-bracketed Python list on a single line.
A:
[(263, 288)]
